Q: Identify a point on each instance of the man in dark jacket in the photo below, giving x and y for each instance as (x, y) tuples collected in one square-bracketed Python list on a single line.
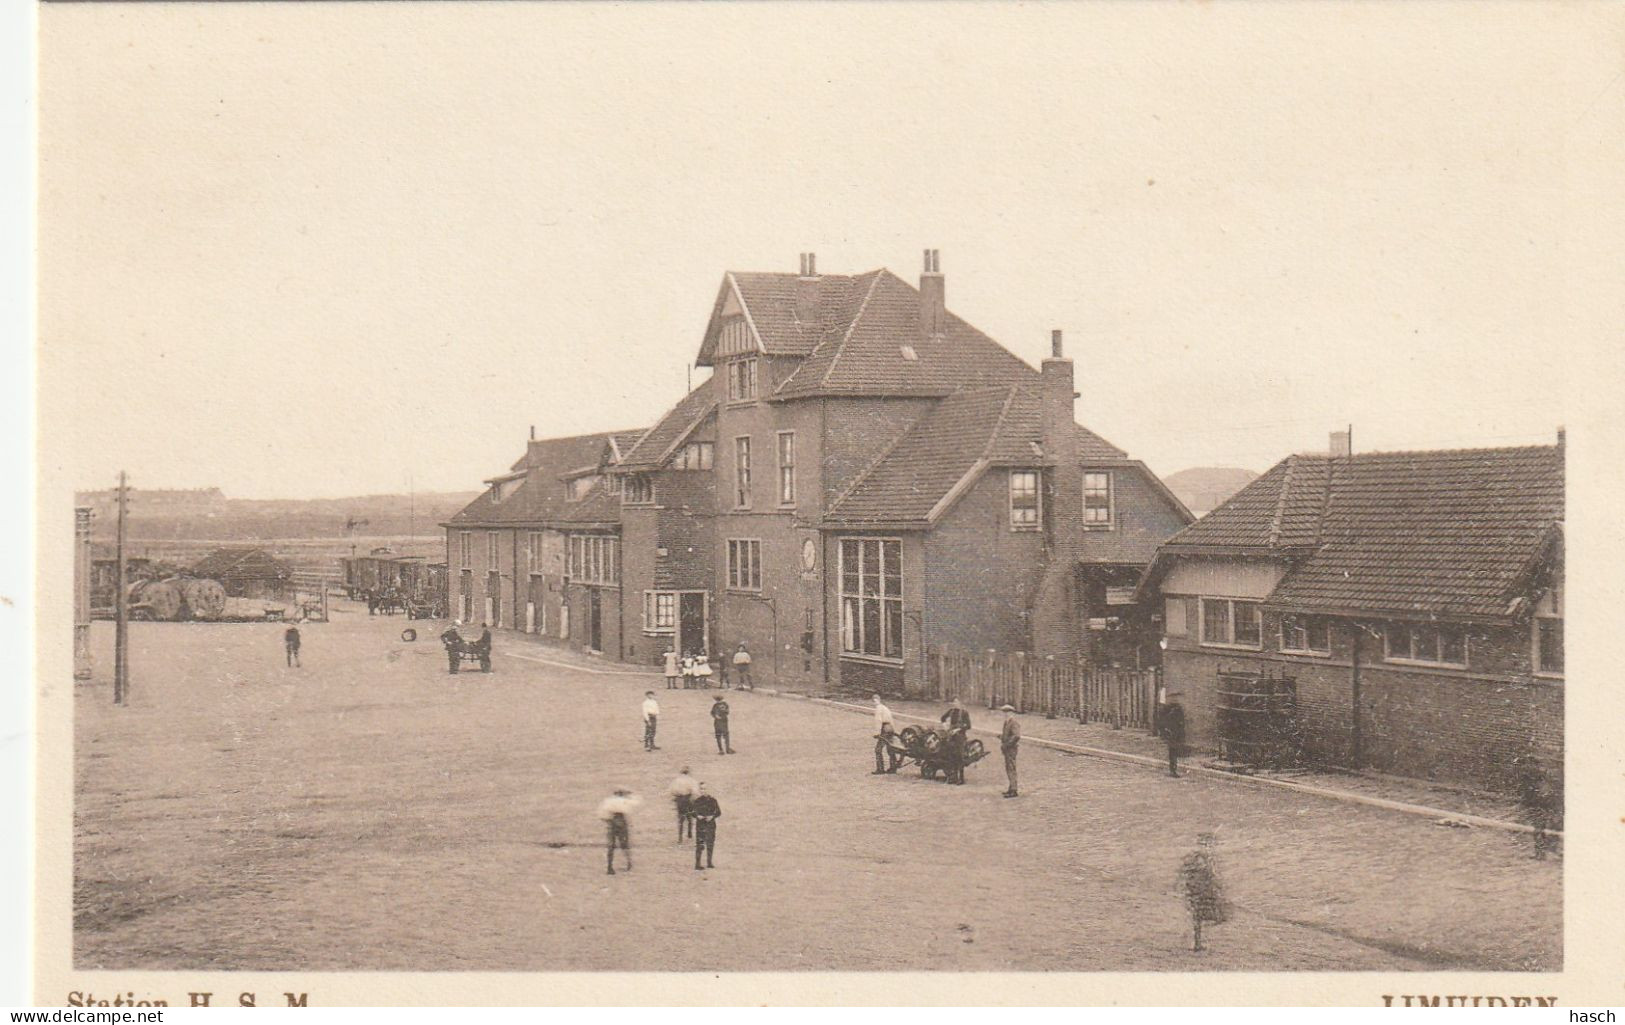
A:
[(290, 642), (705, 810), (1173, 730), (719, 720), (453, 641), (483, 646), (958, 723)]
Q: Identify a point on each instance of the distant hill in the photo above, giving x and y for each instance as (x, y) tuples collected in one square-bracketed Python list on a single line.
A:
[(1203, 488), (207, 514)]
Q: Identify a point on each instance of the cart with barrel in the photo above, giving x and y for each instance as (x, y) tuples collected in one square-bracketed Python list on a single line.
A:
[(929, 748)]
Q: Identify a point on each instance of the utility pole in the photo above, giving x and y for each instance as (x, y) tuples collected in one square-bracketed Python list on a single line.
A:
[(121, 635)]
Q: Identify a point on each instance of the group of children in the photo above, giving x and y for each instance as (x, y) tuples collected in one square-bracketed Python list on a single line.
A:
[(697, 814), (694, 671)]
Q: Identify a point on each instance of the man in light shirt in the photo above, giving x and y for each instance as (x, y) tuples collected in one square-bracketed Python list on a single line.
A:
[(651, 716), (742, 678), (616, 811), (682, 792), (885, 729)]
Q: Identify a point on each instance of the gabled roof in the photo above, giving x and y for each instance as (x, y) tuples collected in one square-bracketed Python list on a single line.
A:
[(940, 456), (865, 355), (543, 498), (657, 443), (240, 562), (770, 302), (1450, 533)]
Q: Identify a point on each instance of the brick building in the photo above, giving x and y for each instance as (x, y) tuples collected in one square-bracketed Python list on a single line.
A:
[(1415, 597)]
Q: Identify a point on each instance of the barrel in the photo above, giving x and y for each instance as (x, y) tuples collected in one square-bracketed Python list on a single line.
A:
[(158, 599), (205, 599), (1257, 718)]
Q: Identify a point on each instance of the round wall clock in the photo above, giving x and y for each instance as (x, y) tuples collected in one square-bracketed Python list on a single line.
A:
[(809, 555)]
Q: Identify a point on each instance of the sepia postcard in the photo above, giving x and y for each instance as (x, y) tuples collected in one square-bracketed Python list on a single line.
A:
[(789, 503)]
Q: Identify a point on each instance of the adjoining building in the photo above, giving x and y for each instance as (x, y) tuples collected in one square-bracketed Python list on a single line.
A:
[(247, 573), (1414, 599), (864, 479)]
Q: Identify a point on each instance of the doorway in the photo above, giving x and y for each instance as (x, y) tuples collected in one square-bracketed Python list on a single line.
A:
[(595, 619), (690, 623)]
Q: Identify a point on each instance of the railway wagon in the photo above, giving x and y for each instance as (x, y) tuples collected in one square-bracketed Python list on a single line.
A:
[(384, 571)]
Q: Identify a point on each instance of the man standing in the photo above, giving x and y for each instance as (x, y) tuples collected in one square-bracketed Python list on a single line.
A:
[(672, 671), (453, 640), (616, 812), (682, 795), (1173, 730), (958, 722), (290, 643), (886, 729), (1009, 742), (706, 811), (484, 647), (956, 716), (1199, 884), (719, 720), (742, 678), (651, 716)]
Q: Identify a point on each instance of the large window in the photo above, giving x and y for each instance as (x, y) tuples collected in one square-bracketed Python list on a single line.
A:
[(659, 612), (787, 467), (696, 455), (1024, 500), (742, 473), (533, 552), (1231, 623), (637, 489), (745, 565), (1425, 643), (872, 597), (595, 559), (1097, 499), (742, 380), (465, 548), (1308, 635)]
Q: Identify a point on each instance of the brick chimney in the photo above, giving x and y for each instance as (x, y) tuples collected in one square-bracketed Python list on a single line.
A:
[(807, 290), (1054, 607), (1340, 445), (1058, 397), (933, 298)]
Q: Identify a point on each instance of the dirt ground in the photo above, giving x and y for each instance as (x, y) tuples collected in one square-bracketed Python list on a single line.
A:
[(368, 811)]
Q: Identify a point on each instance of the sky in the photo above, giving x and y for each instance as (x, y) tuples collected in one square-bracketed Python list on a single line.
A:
[(302, 250)]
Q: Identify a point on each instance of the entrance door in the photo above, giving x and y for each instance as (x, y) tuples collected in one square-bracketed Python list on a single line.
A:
[(595, 619), (690, 623)]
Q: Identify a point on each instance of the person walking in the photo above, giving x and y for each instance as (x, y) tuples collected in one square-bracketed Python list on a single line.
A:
[(651, 718), (885, 729), (290, 644), (673, 671), (1009, 743), (742, 678), (1173, 730), (616, 812), (706, 811), (719, 722), (452, 638), (682, 792), (1199, 884)]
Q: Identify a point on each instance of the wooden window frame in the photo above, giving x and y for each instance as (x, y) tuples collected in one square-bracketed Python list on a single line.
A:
[(1411, 659), (1306, 649), (1229, 641), (742, 468), (1037, 500), (853, 635), (745, 574), (1110, 522)]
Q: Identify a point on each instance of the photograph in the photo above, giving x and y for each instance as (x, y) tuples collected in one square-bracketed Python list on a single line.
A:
[(1043, 498)]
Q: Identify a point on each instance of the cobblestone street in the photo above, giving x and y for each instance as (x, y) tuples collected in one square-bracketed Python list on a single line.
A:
[(370, 812)]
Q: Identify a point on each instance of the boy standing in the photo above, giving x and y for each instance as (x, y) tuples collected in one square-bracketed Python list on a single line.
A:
[(742, 678), (719, 720), (651, 716), (706, 812), (290, 642)]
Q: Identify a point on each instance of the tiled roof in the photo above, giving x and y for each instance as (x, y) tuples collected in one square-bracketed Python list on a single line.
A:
[(679, 421), (238, 563), (993, 426), (866, 356), (771, 302), (543, 496), (1449, 533)]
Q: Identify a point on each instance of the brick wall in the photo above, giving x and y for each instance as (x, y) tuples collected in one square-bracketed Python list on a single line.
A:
[(980, 574)]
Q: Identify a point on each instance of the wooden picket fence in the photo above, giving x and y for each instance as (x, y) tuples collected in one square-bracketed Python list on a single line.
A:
[(1048, 685)]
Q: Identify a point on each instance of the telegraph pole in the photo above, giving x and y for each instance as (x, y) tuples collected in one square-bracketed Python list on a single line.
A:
[(121, 602)]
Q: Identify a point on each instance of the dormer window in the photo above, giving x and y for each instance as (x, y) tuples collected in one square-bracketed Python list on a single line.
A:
[(576, 489), (742, 380)]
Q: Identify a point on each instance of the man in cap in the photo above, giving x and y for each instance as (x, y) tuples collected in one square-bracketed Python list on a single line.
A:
[(616, 811), (719, 719), (1173, 730), (453, 641), (706, 811), (651, 717), (682, 792), (1009, 742), (886, 729)]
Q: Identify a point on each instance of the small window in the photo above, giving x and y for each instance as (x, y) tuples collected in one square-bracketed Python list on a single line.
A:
[(1306, 634), (742, 380), (1426, 644), (637, 489), (787, 467), (1024, 500), (745, 565), (1227, 622), (742, 473), (659, 612), (696, 455), (1097, 500)]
